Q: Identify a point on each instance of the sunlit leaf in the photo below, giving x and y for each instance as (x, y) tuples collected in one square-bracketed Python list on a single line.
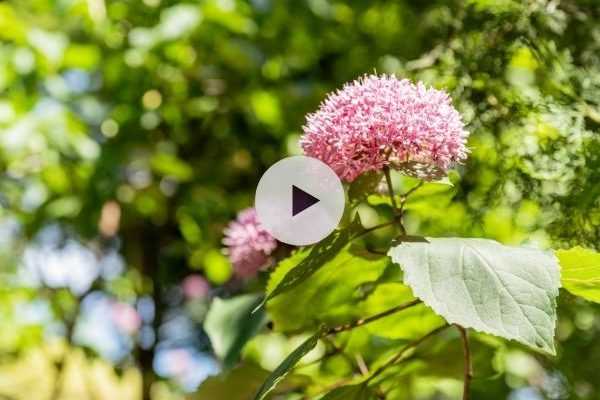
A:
[(230, 323), (580, 272), (330, 295), (408, 324), (319, 255)]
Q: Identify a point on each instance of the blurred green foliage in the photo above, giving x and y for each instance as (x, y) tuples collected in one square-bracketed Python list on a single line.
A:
[(139, 128)]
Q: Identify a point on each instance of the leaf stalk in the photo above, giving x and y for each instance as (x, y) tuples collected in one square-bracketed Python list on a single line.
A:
[(468, 369)]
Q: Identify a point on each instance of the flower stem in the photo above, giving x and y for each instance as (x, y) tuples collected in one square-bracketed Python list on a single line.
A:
[(397, 211), (468, 368), (388, 180)]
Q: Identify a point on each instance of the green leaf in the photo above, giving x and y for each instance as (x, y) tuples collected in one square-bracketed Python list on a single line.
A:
[(580, 272), (231, 323), (363, 186), (350, 392), (319, 255), (239, 383), (287, 364), (437, 193), (331, 295), (232, 385), (171, 166), (409, 324), (505, 291), (81, 56)]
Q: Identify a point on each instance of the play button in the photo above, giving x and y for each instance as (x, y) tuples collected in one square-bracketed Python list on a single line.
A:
[(299, 200)]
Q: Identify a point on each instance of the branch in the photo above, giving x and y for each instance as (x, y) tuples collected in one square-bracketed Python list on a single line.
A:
[(426, 60), (356, 324), (364, 321), (468, 374), (398, 357), (339, 350)]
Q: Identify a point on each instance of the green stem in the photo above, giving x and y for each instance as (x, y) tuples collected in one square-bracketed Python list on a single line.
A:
[(404, 197), (397, 210)]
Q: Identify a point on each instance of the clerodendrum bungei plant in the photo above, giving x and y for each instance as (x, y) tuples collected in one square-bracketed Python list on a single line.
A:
[(410, 294)]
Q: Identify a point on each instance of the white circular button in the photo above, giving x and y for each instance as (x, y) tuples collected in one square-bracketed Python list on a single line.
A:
[(299, 200)]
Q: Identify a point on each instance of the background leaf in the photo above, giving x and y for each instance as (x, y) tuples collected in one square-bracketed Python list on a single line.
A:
[(352, 392), (580, 272), (230, 323), (363, 186), (239, 384)]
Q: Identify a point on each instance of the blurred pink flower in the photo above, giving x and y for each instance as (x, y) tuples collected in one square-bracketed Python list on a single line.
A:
[(195, 287), (248, 244), (377, 121), (178, 361), (125, 317)]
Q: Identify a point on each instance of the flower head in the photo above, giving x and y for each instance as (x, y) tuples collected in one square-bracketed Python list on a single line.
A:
[(378, 121), (248, 244)]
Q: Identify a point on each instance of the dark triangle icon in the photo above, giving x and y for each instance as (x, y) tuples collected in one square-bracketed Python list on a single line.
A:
[(301, 200)]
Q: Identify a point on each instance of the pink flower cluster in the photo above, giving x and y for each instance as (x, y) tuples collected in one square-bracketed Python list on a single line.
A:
[(248, 244), (377, 121)]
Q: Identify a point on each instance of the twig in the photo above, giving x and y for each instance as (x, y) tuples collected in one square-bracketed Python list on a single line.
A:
[(376, 252), (426, 60), (468, 368), (356, 324), (362, 366), (374, 228), (398, 357), (364, 321), (411, 191), (339, 350)]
